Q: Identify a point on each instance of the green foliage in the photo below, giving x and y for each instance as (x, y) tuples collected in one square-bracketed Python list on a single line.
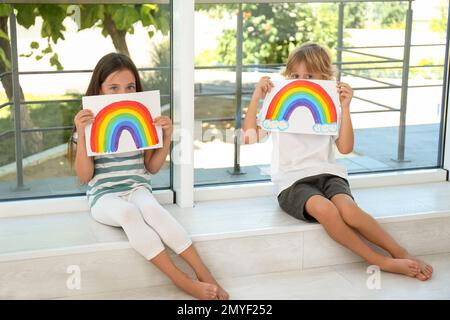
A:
[(355, 15), (91, 15), (217, 11), (4, 58), (43, 116), (52, 27), (53, 17), (429, 73), (271, 31), (439, 24), (124, 16), (390, 15), (326, 26), (54, 61), (4, 10), (34, 45), (159, 80), (26, 15)]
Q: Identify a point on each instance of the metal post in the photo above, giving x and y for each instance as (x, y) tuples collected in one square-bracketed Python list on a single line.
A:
[(404, 93), (237, 138), (16, 99), (444, 141), (340, 39), (171, 154)]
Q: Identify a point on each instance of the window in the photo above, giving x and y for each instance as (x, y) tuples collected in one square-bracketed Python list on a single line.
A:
[(397, 120), (374, 45), (57, 48)]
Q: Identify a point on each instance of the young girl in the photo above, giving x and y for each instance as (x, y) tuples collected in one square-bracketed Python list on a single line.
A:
[(119, 190), (311, 185)]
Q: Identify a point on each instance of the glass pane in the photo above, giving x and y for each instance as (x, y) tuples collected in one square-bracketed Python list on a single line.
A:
[(47, 116), (372, 63), (7, 145)]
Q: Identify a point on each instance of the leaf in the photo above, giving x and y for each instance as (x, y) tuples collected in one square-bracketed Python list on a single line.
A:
[(53, 16), (4, 10), (26, 55), (147, 14), (125, 16), (4, 59), (26, 14), (3, 35), (47, 50), (34, 45), (54, 61), (91, 14), (105, 32)]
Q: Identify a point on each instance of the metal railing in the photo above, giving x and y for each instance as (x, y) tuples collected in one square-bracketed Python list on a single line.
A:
[(343, 70), (344, 67), (17, 103)]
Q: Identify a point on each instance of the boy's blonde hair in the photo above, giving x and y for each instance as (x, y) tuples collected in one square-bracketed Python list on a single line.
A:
[(317, 59)]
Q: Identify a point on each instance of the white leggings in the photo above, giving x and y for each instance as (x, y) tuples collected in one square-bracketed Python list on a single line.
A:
[(144, 221)]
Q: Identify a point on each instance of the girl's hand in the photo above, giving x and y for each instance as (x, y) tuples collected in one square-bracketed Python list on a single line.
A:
[(345, 94), (262, 88), (166, 125), (82, 119)]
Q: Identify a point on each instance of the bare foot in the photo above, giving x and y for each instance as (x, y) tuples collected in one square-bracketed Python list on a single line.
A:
[(407, 267), (198, 289), (222, 294), (426, 270)]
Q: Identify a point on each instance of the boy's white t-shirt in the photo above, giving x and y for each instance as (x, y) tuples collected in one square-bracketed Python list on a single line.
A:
[(297, 156)]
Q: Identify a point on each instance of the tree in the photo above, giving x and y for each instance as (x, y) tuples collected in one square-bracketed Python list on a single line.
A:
[(439, 24), (34, 142), (160, 57), (271, 31), (355, 15), (117, 20), (390, 14)]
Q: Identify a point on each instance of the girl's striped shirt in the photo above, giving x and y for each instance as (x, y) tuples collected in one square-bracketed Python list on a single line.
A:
[(117, 174)]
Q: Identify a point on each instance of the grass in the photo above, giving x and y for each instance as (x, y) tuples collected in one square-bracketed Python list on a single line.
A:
[(6, 113), (43, 116)]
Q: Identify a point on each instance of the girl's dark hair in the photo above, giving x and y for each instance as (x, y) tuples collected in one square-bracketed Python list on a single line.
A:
[(110, 63)]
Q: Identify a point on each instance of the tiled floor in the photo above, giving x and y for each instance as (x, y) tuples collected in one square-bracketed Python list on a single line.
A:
[(347, 281)]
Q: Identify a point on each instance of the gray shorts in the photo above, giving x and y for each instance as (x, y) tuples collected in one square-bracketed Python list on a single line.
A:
[(293, 199)]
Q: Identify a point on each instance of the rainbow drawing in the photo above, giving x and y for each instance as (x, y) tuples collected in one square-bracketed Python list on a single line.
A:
[(302, 93), (119, 116)]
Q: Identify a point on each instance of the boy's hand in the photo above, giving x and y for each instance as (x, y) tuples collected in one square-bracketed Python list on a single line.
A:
[(262, 88), (166, 125), (345, 94)]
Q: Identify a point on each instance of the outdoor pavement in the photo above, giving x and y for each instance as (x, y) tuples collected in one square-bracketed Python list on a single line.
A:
[(375, 150)]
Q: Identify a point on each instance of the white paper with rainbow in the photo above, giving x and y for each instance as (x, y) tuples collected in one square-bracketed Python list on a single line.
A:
[(302, 106), (123, 122)]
